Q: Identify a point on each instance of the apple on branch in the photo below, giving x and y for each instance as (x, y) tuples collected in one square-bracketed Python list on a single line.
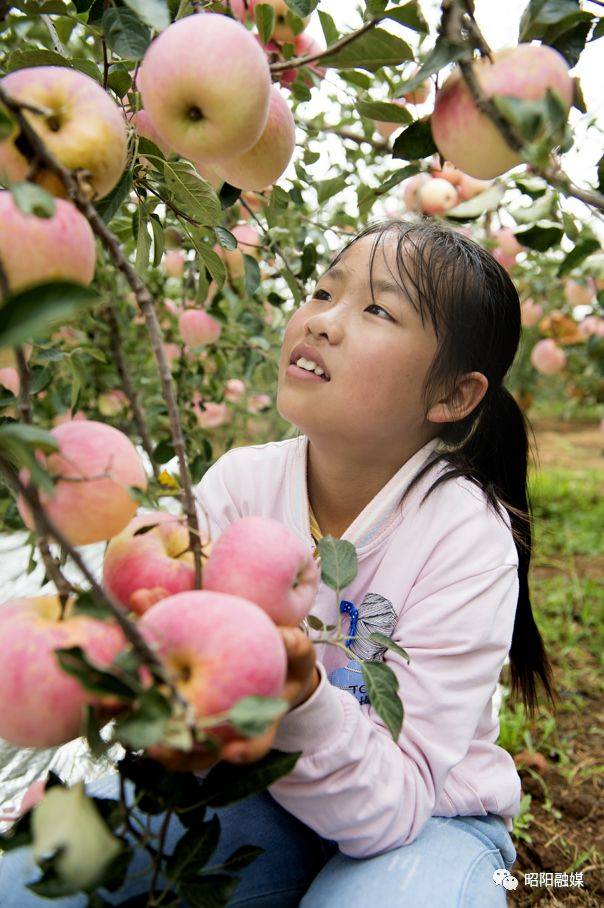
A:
[(40, 704), (60, 247), (94, 468), (78, 122)]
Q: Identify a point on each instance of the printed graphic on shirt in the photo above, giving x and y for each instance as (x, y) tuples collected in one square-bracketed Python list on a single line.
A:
[(375, 613)]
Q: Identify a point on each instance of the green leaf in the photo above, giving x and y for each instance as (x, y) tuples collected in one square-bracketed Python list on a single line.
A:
[(264, 17), (571, 42), (210, 259), (126, 35), (440, 56), (540, 14), (338, 562), (210, 891), (162, 453), (75, 662), (384, 111), (226, 782), (252, 274), (411, 16), (374, 49), (389, 643), (154, 13), (540, 236), (367, 195), (143, 241), (330, 32), (111, 204), (35, 311), (7, 123), (193, 850), (144, 725), (158, 239), (415, 142), (581, 251), (315, 623), (32, 199), (473, 208), (252, 716), (225, 238), (87, 604), (302, 8), (382, 689), (242, 857), (326, 189), (193, 195), (22, 59), (119, 80)]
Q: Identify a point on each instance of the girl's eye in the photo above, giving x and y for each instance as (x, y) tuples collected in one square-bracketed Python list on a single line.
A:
[(320, 293)]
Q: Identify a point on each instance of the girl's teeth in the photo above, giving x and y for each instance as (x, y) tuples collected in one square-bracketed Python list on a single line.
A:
[(307, 364)]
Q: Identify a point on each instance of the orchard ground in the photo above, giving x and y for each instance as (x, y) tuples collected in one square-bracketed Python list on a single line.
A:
[(560, 825)]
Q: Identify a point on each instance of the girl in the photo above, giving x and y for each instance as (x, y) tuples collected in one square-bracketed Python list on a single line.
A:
[(413, 450)]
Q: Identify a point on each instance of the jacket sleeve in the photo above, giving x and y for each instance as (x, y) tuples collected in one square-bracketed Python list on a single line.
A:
[(216, 501), (353, 783)]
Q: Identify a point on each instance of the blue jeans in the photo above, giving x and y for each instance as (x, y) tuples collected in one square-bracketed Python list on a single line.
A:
[(451, 863)]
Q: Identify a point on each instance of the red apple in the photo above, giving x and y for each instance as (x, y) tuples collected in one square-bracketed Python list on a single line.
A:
[(547, 357), (436, 196)]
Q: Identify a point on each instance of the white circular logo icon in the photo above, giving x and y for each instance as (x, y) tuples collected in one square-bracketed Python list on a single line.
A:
[(504, 878)]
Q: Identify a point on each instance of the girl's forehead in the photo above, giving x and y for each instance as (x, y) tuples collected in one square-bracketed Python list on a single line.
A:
[(376, 251)]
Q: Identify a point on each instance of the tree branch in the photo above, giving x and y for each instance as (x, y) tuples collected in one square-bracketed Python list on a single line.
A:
[(328, 52), (355, 137), (39, 153)]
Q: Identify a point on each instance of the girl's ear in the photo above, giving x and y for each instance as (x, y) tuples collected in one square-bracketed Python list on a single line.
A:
[(468, 393)]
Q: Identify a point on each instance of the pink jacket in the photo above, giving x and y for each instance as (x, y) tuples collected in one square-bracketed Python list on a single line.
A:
[(442, 581)]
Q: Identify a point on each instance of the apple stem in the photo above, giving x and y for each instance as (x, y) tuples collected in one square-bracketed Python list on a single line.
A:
[(40, 153)]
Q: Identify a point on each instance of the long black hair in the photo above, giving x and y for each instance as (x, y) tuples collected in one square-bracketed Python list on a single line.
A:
[(475, 310)]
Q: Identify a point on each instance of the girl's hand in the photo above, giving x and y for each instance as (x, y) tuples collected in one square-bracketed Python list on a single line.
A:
[(301, 681)]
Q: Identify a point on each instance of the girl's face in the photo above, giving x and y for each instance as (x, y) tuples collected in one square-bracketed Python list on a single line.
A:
[(378, 355)]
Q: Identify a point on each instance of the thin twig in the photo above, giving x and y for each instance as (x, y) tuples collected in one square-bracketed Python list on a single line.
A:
[(39, 153), (328, 52), (115, 340), (157, 862), (58, 46), (272, 244), (378, 144)]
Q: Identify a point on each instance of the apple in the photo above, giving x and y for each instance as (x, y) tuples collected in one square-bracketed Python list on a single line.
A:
[(506, 241), (268, 158), (447, 172), (531, 313), (212, 415), (203, 111), (464, 135), (385, 128), (58, 248), (157, 561), (210, 174), (40, 704), (81, 126), (142, 123), (577, 294), (219, 649), (263, 559), (197, 327), (9, 379), (94, 467), (248, 241), (436, 196), (174, 262), (110, 403), (282, 31), (234, 390), (547, 357), (591, 325), (258, 402), (469, 187), (411, 190), (506, 261)]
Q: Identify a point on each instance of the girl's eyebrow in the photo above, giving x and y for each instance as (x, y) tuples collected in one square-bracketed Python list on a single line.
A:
[(381, 286)]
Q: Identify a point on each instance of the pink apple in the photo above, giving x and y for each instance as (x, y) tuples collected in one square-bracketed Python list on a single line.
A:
[(446, 172), (142, 123), (264, 559), (9, 379), (197, 327), (219, 648), (174, 262), (531, 313), (436, 196), (110, 403), (506, 261), (234, 390), (282, 30), (210, 174), (212, 415), (547, 357), (203, 111), (249, 242), (40, 704), (84, 128), (258, 402), (68, 416), (91, 501), (268, 158), (158, 561), (469, 187), (506, 241), (58, 248), (464, 135), (577, 294), (592, 325), (411, 189)]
